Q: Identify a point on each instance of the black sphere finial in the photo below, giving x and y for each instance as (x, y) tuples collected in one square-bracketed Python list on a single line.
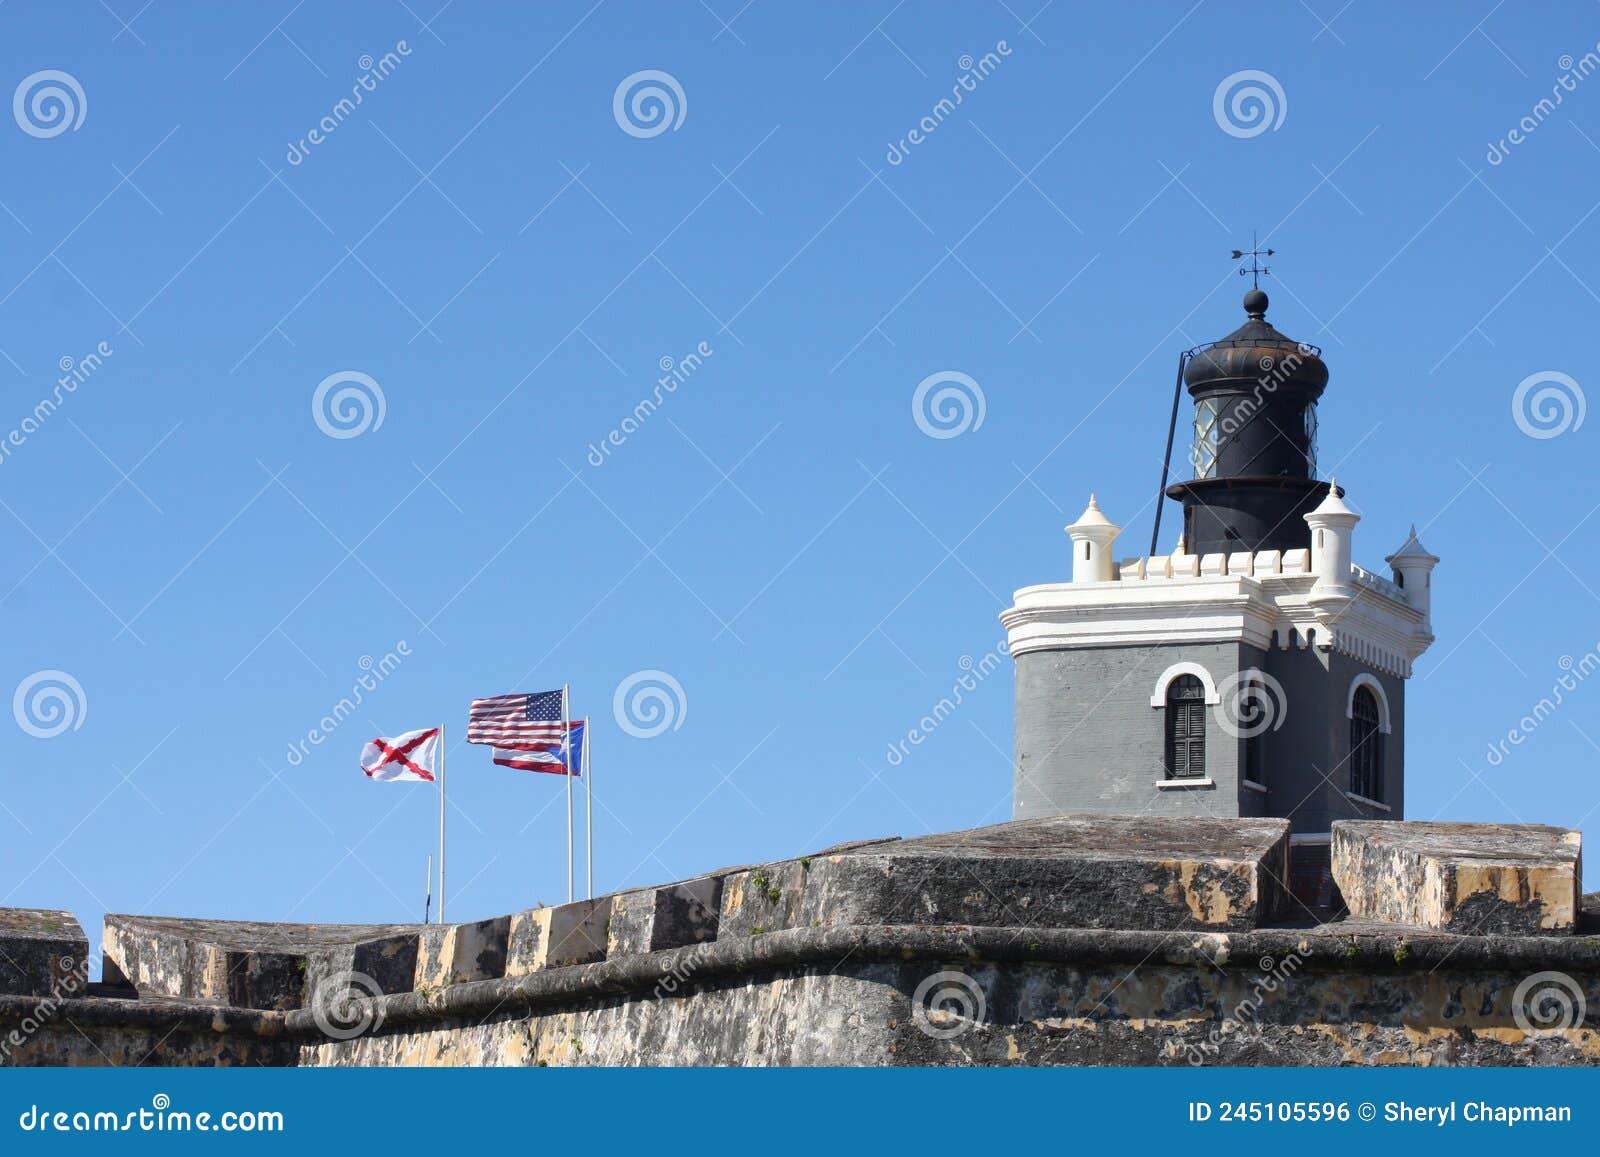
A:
[(1255, 304)]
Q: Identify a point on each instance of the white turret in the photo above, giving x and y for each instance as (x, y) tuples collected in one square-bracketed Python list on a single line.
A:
[(1413, 573), (1092, 536), (1331, 523)]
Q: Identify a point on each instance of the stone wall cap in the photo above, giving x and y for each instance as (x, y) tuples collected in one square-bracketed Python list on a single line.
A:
[(1523, 843), (39, 924), (1098, 837), (252, 935)]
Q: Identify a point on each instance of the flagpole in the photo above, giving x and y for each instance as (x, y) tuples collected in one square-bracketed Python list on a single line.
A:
[(442, 747), (588, 806), (566, 759)]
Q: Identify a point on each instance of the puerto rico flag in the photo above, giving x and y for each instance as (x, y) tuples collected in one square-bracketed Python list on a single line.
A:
[(545, 757), (411, 756)]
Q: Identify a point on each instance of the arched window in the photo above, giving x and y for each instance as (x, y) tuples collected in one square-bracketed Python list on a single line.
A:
[(1366, 746), (1186, 728)]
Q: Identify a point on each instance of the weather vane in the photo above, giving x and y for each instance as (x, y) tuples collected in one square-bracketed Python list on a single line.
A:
[(1255, 253)]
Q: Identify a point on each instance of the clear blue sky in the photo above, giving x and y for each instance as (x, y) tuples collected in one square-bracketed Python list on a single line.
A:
[(483, 240)]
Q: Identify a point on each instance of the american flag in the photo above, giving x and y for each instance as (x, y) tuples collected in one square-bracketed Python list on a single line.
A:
[(517, 720)]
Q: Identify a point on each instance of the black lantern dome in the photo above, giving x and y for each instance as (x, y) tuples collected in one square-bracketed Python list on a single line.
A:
[(1254, 448), (1253, 351)]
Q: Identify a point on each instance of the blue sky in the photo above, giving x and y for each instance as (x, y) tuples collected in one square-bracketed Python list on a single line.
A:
[(483, 240)]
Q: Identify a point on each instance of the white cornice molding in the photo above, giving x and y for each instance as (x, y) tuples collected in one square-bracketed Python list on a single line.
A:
[(1266, 601), (1204, 610)]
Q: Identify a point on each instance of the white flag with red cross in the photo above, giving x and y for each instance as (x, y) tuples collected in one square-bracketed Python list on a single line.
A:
[(413, 755)]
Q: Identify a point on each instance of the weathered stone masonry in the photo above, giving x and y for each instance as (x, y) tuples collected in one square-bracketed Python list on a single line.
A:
[(1069, 940)]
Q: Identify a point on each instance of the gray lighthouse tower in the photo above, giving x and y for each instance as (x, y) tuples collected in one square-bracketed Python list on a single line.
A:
[(1254, 671)]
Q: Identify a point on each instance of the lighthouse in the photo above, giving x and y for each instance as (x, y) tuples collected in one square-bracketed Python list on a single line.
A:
[(1257, 669)]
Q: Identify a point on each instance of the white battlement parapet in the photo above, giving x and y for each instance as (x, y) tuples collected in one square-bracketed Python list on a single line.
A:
[(1270, 598), (1262, 564)]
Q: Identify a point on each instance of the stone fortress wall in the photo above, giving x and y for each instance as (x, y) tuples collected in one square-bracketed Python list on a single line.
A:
[(1078, 939)]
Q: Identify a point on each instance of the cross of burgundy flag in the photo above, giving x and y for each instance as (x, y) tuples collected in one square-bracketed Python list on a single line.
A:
[(413, 755)]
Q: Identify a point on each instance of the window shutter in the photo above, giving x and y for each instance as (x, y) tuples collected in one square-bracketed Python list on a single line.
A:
[(1186, 728), (1194, 719)]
